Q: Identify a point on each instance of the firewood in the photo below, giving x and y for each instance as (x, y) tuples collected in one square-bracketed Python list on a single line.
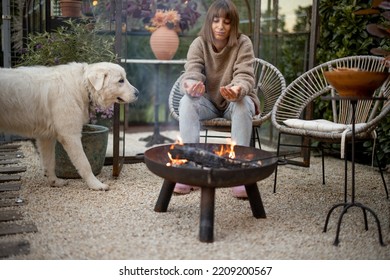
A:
[(209, 159)]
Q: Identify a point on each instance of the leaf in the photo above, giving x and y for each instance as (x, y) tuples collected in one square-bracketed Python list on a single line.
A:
[(384, 5), (379, 51), (367, 12), (386, 15), (375, 30)]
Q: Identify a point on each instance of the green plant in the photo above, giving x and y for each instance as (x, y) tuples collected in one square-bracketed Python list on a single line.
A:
[(344, 33), (380, 10), (75, 41), (341, 35)]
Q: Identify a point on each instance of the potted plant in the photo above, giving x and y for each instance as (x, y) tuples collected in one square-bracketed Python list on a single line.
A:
[(76, 41), (164, 27)]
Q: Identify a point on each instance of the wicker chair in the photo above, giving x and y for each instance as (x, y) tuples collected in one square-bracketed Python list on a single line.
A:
[(270, 84), (311, 85)]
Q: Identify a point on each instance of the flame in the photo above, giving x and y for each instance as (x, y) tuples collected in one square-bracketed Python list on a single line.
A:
[(227, 150), (232, 154), (178, 141), (173, 161)]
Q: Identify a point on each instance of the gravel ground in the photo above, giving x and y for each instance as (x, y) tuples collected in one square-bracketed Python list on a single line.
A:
[(77, 223)]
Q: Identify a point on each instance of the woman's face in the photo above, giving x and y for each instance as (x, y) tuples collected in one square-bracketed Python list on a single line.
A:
[(221, 28)]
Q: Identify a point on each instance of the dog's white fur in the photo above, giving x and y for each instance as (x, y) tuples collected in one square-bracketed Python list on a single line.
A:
[(52, 103)]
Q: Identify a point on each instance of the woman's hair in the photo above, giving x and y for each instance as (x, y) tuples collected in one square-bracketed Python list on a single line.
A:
[(225, 9)]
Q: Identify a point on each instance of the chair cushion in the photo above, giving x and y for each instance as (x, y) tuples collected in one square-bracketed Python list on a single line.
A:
[(318, 125)]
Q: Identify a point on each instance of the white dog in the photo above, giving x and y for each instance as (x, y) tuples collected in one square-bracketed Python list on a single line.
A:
[(52, 103)]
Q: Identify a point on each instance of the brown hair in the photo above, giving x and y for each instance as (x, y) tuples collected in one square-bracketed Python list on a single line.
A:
[(226, 9)]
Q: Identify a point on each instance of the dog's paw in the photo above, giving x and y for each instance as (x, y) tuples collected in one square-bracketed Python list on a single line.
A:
[(58, 182), (100, 187)]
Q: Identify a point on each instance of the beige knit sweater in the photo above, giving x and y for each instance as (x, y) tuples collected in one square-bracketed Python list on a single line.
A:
[(231, 66)]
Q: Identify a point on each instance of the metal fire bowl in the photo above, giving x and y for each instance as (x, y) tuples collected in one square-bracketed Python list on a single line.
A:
[(156, 159)]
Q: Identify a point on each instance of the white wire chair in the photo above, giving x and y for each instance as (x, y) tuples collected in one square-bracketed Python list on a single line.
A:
[(311, 85), (270, 84)]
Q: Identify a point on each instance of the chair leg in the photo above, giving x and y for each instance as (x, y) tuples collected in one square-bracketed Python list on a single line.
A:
[(257, 136), (383, 178), (345, 175), (205, 135), (323, 164), (276, 169), (252, 142)]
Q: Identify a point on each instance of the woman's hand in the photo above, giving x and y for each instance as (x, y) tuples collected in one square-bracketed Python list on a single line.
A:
[(194, 89), (230, 94)]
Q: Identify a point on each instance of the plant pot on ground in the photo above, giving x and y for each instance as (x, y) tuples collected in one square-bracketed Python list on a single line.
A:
[(94, 140)]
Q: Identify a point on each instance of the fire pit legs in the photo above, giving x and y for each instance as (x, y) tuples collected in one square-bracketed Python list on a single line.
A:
[(207, 206), (207, 202), (165, 196), (255, 201)]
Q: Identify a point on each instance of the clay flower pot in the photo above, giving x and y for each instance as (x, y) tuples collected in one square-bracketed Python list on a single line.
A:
[(70, 8), (164, 43)]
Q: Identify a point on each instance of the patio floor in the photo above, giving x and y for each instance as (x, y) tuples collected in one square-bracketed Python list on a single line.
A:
[(77, 223)]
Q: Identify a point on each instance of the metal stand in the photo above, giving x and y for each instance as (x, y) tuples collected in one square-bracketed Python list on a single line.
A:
[(156, 137), (346, 205)]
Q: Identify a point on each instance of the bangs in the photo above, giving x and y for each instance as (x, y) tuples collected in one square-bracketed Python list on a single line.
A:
[(223, 13), (221, 9)]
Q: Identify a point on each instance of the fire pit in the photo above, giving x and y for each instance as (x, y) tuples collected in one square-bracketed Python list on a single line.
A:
[(249, 166)]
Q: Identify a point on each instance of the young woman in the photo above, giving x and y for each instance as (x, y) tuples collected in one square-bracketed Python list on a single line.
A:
[(218, 81)]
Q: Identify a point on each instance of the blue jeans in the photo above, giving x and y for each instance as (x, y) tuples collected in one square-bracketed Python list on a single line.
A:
[(193, 110)]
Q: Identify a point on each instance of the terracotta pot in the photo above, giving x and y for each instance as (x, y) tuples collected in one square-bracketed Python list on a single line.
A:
[(70, 8), (94, 139), (164, 43)]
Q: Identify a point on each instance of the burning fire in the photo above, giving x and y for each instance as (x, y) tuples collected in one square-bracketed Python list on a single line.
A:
[(226, 151), (173, 161)]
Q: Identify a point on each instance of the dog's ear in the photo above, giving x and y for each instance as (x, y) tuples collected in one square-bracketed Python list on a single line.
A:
[(97, 79)]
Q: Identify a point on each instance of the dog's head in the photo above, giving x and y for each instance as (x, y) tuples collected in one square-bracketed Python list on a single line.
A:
[(108, 84)]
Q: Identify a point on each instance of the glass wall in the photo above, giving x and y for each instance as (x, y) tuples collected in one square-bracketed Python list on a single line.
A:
[(280, 30), (285, 34)]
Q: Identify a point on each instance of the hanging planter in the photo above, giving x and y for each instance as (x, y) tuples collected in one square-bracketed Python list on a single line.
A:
[(164, 43)]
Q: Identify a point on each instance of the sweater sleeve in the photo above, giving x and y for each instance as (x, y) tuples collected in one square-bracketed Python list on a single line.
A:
[(194, 67), (243, 74)]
